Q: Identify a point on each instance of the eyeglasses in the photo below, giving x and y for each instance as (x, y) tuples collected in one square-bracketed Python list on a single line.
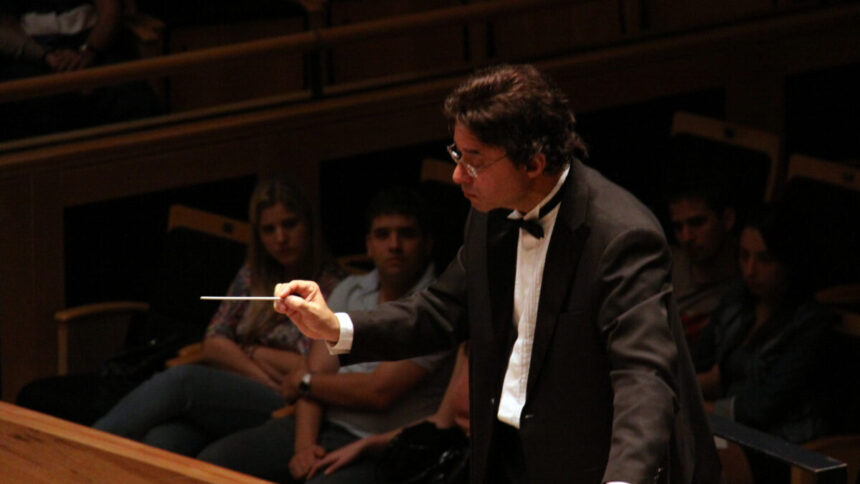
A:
[(471, 169)]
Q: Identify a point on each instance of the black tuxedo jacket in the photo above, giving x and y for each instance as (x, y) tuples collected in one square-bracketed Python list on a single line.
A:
[(611, 393)]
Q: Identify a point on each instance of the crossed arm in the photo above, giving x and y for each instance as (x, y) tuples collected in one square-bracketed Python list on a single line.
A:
[(266, 365)]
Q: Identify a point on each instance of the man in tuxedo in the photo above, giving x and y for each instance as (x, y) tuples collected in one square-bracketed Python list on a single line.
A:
[(578, 367)]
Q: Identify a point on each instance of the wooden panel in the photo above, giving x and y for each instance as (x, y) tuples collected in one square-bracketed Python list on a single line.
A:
[(31, 276), (38, 448), (252, 77), (421, 51), (589, 24), (665, 16), (17, 281)]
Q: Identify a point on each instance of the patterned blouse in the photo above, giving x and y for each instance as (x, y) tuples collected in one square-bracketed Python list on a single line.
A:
[(228, 319)]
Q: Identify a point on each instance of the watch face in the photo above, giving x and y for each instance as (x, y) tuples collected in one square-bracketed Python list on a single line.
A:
[(305, 384)]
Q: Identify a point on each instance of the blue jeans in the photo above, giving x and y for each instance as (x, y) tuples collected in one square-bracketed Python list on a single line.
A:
[(265, 452), (186, 407)]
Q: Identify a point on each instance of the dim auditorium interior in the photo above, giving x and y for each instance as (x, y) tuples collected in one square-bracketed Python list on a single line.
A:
[(136, 202)]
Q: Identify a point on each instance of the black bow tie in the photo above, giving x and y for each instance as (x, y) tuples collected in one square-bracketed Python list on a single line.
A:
[(533, 226)]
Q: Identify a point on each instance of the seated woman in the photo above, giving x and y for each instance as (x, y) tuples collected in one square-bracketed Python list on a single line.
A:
[(248, 347), (759, 361), (453, 413)]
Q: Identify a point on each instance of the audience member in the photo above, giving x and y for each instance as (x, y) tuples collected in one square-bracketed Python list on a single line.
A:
[(362, 399), (43, 36), (760, 360), (61, 35), (705, 257), (248, 348), (16, 45)]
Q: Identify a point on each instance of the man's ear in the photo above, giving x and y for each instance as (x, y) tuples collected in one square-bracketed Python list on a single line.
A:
[(536, 165), (729, 219)]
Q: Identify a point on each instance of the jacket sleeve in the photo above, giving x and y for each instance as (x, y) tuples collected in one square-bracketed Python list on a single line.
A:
[(633, 291)]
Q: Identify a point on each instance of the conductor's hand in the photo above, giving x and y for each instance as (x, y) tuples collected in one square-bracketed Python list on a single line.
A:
[(304, 304)]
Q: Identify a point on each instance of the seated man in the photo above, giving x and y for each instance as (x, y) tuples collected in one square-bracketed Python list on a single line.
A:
[(362, 399), (43, 36), (705, 259), (60, 35)]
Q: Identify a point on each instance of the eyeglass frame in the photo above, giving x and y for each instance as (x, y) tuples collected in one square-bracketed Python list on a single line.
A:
[(471, 170)]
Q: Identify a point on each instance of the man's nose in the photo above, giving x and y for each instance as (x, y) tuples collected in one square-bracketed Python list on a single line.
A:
[(280, 234), (460, 176), (395, 242), (685, 234)]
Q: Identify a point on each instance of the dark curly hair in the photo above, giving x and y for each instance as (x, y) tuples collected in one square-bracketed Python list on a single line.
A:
[(519, 109)]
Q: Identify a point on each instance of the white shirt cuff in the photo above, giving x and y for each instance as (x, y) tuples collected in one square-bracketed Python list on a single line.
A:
[(344, 341)]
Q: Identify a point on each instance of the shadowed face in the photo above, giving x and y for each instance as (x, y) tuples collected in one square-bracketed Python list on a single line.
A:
[(398, 247), (699, 230), (763, 275), (284, 235)]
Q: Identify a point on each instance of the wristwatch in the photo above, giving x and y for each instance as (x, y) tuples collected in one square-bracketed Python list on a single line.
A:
[(87, 47), (305, 385)]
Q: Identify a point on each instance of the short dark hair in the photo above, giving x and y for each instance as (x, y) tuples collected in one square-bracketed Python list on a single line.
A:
[(398, 200), (709, 190), (519, 109)]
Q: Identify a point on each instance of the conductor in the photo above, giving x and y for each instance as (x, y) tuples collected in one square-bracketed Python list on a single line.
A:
[(578, 367)]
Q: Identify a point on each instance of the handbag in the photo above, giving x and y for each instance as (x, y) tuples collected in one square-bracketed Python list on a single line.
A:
[(425, 454), (132, 367)]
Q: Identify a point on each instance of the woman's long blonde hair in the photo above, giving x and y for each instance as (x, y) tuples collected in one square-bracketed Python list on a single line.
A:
[(265, 270)]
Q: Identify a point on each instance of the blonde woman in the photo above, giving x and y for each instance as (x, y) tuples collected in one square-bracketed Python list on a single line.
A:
[(248, 347)]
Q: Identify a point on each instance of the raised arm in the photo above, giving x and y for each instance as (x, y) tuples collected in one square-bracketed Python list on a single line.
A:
[(304, 304)]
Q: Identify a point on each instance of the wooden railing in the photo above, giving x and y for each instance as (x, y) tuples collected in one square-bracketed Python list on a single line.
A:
[(632, 16), (313, 40)]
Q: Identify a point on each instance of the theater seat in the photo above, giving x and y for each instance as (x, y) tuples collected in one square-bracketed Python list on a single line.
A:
[(749, 156), (105, 349), (844, 448)]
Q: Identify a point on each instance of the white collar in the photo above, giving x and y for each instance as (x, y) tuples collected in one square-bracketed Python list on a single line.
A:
[(533, 213)]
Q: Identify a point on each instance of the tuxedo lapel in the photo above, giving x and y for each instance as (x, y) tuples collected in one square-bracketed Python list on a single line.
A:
[(501, 274), (562, 260)]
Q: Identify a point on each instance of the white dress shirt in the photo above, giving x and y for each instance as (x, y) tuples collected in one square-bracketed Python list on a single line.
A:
[(531, 258)]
